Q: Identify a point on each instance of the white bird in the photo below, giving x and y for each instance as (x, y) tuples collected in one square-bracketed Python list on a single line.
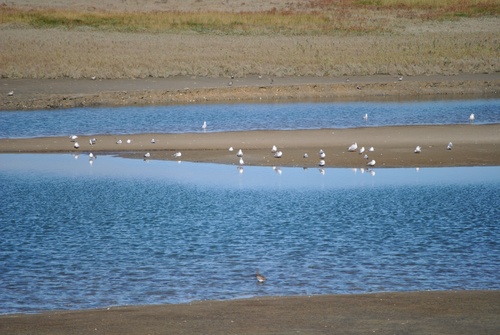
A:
[(129, 141), (400, 78), (322, 154), (153, 141), (90, 142), (204, 127), (418, 149), (93, 140), (177, 155), (450, 145), (93, 77), (91, 156), (11, 93), (353, 147), (73, 138), (147, 155), (365, 117), (306, 155), (472, 117), (278, 154), (242, 162), (119, 142), (361, 150), (371, 163), (260, 278), (372, 149), (76, 145), (274, 149), (321, 163), (231, 149), (365, 156), (240, 153)]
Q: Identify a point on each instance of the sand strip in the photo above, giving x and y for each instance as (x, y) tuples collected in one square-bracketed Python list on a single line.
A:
[(449, 312), (473, 145)]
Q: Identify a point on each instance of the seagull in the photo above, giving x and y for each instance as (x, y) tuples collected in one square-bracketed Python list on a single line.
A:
[(400, 78), (240, 153), (450, 145), (242, 162), (119, 142), (322, 154), (278, 154), (365, 117), (260, 278), (231, 149), (129, 141), (91, 156), (76, 145), (153, 141), (274, 149), (365, 156), (204, 127), (177, 155), (361, 150), (371, 163), (147, 155), (11, 93), (306, 155), (372, 149), (73, 138), (321, 163), (418, 149), (353, 147), (472, 118)]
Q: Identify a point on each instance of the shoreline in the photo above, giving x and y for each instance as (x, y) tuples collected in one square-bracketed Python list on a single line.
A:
[(424, 312), (32, 94), (473, 145)]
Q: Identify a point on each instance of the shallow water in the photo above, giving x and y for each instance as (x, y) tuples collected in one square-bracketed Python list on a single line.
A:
[(235, 117), (124, 231)]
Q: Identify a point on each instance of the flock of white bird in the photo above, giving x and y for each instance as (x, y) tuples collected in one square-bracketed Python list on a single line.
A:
[(274, 150)]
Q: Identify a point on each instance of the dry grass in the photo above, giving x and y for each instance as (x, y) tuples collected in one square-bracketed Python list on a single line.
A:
[(345, 38)]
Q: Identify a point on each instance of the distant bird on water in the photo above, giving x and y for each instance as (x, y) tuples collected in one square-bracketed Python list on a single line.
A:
[(365, 117), (260, 277), (204, 127), (472, 117)]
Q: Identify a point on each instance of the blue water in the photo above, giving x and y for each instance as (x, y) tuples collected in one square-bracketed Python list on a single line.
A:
[(235, 117), (124, 231)]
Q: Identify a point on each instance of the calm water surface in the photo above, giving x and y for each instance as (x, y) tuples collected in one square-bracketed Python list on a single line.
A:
[(122, 231), (234, 117)]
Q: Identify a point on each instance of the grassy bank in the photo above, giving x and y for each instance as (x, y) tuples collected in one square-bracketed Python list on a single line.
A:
[(314, 38)]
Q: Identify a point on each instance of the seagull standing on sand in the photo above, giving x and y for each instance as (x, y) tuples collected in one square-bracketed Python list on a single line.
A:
[(119, 142), (76, 145), (11, 93), (260, 278), (278, 154), (321, 163), (147, 155), (450, 145), (361, 150), (231, 149), (371, 163), (177, 155), (129, 141), (242, 162), (274, 149), (418, 149), (73, 138), (353, 147), (240, 153)]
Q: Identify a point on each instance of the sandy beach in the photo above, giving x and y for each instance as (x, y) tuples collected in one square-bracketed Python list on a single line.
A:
[(450, 312), (473, 145)]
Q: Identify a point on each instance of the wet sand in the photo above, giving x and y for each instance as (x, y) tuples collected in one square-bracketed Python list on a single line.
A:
[(473, 145), (449, 312)]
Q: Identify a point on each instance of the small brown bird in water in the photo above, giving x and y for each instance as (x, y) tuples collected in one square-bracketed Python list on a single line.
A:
[(260, 278)]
